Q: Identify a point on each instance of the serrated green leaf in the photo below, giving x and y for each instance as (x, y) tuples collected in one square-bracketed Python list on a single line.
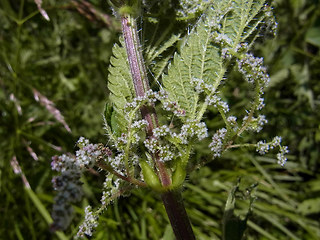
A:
[(155, 55), (157, 51), (179, 87), (199, 59), (243, 19), (120, 86)]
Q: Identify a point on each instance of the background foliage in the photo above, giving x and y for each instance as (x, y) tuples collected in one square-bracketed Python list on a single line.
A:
[(66, 61)]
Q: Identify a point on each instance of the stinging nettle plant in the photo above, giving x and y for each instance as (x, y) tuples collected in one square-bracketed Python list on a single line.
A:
[(152, 132)]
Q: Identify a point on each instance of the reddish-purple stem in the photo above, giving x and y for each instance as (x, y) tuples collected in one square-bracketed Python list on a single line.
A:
[(141, 85), (172, 200)]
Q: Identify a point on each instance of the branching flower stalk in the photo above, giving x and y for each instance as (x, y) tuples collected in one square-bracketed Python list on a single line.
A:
[(155, 153)]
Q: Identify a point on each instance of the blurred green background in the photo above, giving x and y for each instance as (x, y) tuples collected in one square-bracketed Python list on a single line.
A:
[(53, 76)]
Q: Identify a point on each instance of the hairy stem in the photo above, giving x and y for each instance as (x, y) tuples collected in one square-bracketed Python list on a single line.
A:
[(125, 178), (172, 200), (141, 85)]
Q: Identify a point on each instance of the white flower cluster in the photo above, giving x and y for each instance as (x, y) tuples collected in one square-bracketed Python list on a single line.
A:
[(222, 39), (136, 102), (256, 124), (121, 142), (270, 22), (262, 147), (253, 70), (193, 128), (164, 152), (88, 153), (151, 144), (261, 104), (166, 104), (90, 222), (160, 95), (211, 99), (201, 86), (162, 131), (217, 142), (135, 138), (189, 8), (227, 53), (190, 129), (110, 187), (139, 124), (85, 157), (136, 126), (282, 159), (242, 47), (63, 163), (232, 120), (156, 144), (117, 162), (151, 97), (217, 103), (68, 184), (261, 121), (173, 107)]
